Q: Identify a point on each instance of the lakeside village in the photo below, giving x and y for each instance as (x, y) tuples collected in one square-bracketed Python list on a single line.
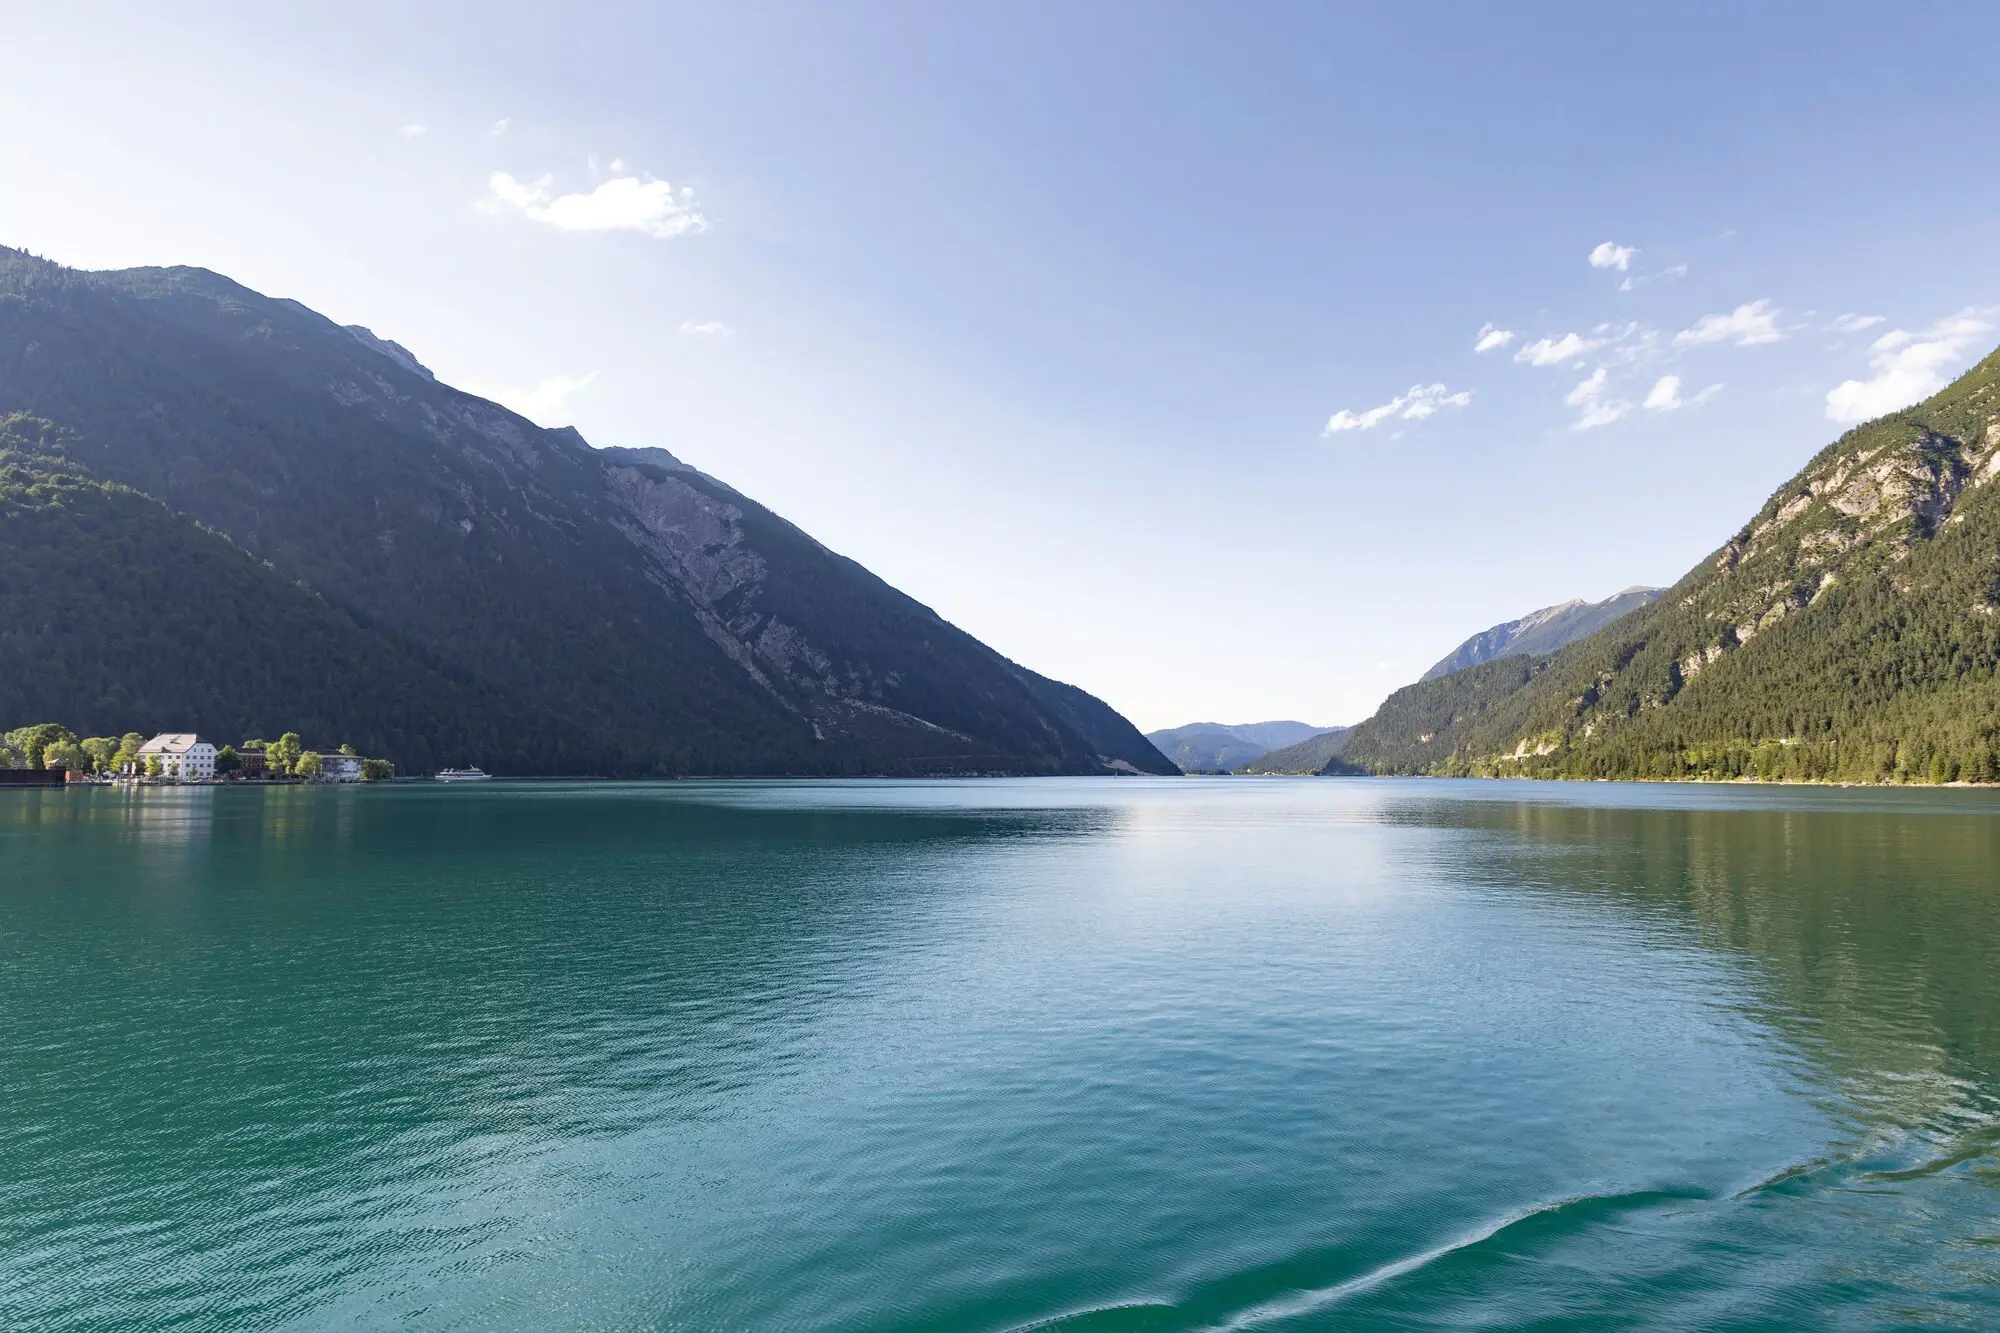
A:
[(50, 754)]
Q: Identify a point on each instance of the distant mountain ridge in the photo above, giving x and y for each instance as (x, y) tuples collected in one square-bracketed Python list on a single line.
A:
[(1542, 631), (527, 603), (1218, 747), (1314, 756), (1850, 631)]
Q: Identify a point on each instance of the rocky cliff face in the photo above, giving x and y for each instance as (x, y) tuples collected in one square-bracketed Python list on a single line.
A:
[(1862, 507), (1542, 631)]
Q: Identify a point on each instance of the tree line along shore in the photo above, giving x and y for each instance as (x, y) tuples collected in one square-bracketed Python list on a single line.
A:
[(182, 757)]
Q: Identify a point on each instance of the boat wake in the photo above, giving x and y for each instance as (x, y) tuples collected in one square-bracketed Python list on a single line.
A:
[(1296, 1304), (1300, 1303)]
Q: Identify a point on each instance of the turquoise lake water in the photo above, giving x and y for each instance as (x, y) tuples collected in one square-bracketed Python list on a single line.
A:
[(1083, 1055)]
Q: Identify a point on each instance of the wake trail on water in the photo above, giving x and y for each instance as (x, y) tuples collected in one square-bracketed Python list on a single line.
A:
[(1297, 1304), (1943, 1144), (1948, 1148)]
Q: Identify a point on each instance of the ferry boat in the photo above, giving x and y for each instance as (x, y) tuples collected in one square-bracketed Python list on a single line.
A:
[(464, 775)]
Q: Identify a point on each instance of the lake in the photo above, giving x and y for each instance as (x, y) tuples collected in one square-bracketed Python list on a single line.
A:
[(1084, 1055)]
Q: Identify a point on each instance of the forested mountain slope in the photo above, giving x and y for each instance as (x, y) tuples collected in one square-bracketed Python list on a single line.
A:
[(655, 620), (1205, 749), (115, 610), (1542, 631), (1316, 755), (1849, 631)]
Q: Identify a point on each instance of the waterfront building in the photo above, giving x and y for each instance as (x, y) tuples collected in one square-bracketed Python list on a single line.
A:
[(182, 754), (340, 768)]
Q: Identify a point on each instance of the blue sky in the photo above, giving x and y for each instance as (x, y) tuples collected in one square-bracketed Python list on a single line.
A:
[(1138, 340)]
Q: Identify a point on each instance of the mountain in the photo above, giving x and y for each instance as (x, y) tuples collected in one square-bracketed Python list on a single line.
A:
[(177, 621), (1219, 747), (1274, 734), (1542, 631), (310, 499), (1320, 754), (1296, 747), (1204, 748), (1849, 631)]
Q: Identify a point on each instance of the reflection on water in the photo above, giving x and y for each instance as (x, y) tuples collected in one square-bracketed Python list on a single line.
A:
[(1866, 921), (1134, 1054)]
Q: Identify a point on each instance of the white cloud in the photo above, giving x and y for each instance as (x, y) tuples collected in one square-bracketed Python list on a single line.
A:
[(1665, 395), (1556, 351), (1906, 367), (618, 164), (1746, 326), (1609, 255), (1853, 323), (499, 127), (544, 403), (713, 328), (1594, 407), (1423, 400), (624, 203), (504, 189), (1490, 338), (413, 131)]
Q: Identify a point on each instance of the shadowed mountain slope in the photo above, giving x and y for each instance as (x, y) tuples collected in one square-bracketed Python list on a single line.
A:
[(667, 623), (119, 612)]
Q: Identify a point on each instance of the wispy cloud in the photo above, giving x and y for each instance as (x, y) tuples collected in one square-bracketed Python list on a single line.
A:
[(1422, 400), (1633, 344), (1906, 367), (1852, 323), (1746, 326), (542, 404), (624, 203), (1595, 407), (499, 127), (1671, 273), (1613, 255), (413, 131), (1491, 339), (713, 328), (1665, 395), (1557, 351)]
